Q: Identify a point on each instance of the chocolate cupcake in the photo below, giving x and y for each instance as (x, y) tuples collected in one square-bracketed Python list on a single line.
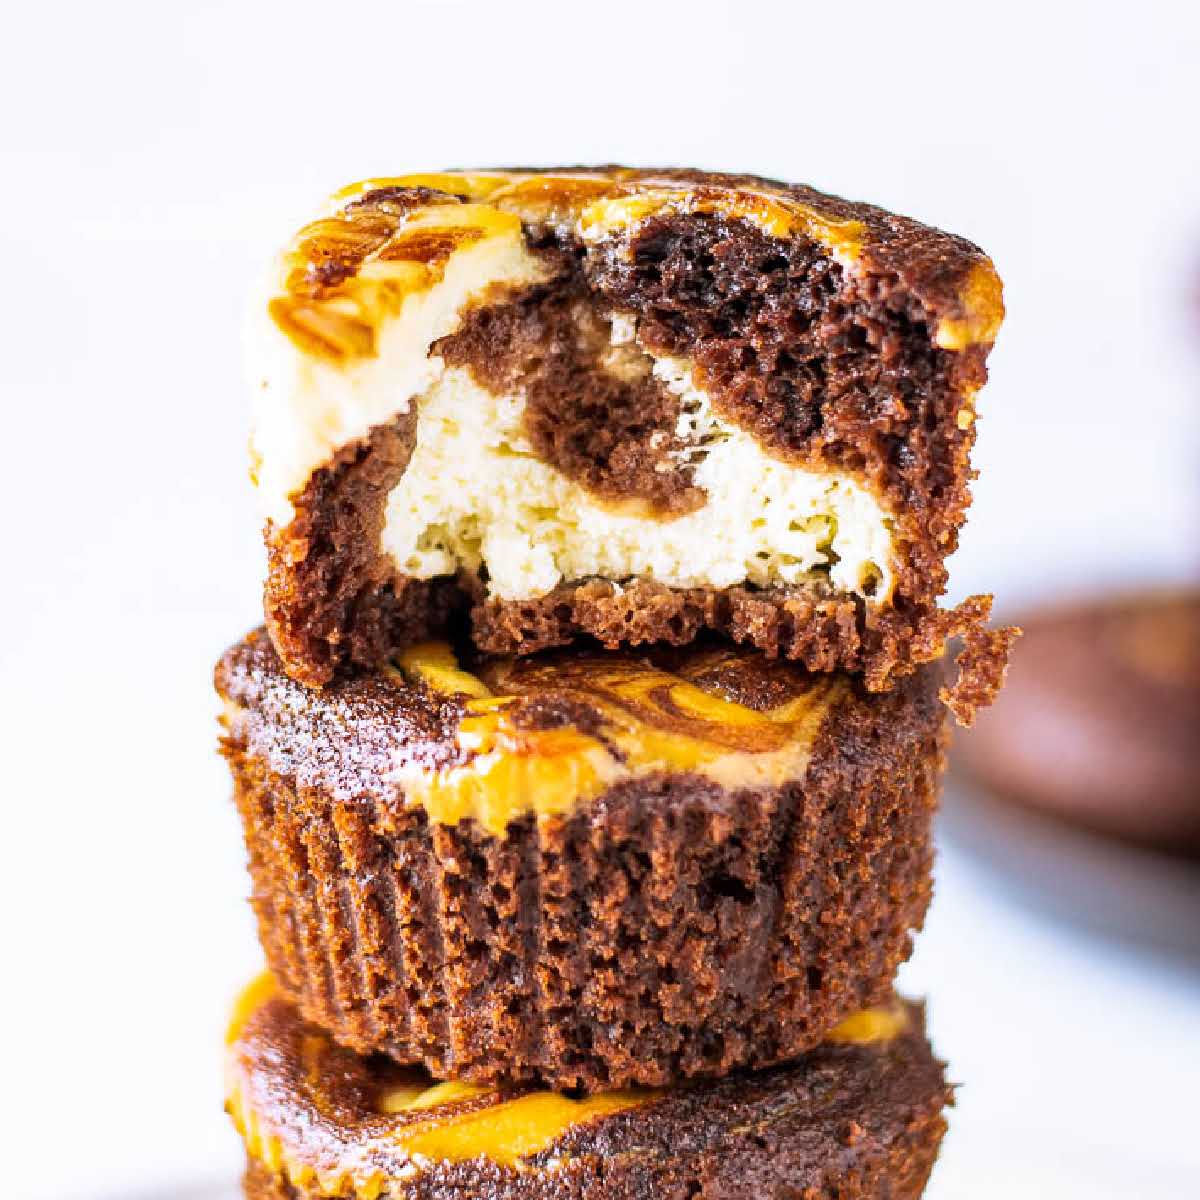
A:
[(588, 868), (633, 404), (859, 1117), (1099, 724)]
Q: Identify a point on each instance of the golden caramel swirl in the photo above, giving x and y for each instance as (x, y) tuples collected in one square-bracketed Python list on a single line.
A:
[(346, 274), (613, 717), (386, 239), (982, 298)]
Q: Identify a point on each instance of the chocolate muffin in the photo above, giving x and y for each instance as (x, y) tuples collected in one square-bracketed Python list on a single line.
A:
[(860, 1117), (589, 868), (633, 404), (1099, 724)]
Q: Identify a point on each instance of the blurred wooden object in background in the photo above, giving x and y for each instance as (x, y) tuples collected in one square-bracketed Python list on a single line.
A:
[(1099, 724)]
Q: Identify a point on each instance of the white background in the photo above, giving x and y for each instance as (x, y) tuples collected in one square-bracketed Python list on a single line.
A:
[(153, 155)]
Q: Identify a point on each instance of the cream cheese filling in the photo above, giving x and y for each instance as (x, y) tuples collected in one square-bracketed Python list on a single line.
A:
[(308, 408), (476, 496)]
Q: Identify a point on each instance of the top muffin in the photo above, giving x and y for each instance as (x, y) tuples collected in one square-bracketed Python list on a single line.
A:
[(633, 404)]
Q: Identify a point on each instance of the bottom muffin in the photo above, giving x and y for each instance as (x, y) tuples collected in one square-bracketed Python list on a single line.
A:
[(860, 1116)]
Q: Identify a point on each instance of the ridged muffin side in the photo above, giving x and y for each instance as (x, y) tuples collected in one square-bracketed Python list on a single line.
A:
[(670, 926)]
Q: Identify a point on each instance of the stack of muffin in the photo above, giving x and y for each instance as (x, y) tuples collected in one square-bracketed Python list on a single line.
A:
[(588, 757)]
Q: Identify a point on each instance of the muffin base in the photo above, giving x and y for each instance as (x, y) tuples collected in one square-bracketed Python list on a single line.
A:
[(846, 1121)]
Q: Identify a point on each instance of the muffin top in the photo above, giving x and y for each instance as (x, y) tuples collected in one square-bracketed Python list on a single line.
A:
[(503, 737), (415, 223)]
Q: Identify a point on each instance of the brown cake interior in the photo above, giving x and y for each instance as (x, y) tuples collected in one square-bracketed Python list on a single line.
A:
[(593, 411)]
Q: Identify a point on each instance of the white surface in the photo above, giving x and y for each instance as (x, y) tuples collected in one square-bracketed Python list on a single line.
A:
[(1077, 1058), (151, 155)]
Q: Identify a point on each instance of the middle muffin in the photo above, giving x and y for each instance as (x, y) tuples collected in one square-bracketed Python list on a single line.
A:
[(591, 869)]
